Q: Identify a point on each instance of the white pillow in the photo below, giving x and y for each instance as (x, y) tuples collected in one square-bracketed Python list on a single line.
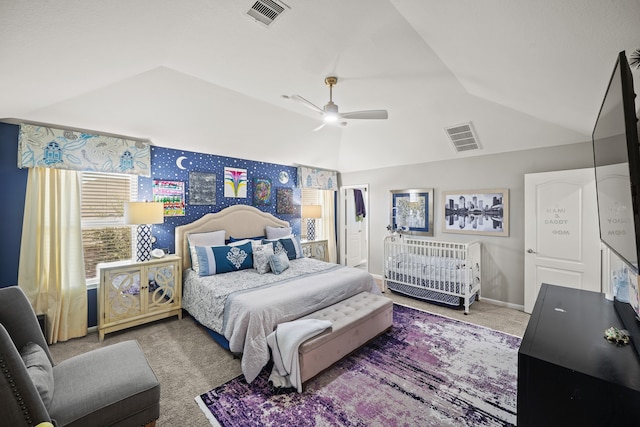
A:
[(211, 238), (254, 243), (261, 256), (277, 232)]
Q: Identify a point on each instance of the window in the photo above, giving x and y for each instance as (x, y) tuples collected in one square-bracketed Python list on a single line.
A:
[(105, 237)]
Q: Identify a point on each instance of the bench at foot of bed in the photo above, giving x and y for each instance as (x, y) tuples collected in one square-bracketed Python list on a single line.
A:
[(355, 321)]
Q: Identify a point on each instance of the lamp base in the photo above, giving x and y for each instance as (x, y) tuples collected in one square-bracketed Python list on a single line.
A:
[(311, 229), (143, 248)]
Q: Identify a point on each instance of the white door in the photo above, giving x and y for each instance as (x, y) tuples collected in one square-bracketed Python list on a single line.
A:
[(562, 241), (355, 248)]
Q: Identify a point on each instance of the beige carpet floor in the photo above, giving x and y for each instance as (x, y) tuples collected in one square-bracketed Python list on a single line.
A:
[(188, 362)]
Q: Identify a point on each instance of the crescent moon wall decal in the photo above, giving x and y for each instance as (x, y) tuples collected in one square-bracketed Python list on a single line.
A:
[(179, 161)]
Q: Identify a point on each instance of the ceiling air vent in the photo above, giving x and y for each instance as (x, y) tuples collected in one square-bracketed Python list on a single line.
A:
[(463, 137), (265, 11)]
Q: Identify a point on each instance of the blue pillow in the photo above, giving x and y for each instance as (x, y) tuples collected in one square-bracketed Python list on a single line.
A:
[(290, 245), (235, 239), (279, 262), (224, 259)]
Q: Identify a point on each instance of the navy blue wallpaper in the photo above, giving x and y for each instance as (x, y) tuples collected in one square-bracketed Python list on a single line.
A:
[(174, 165), (15, 186)]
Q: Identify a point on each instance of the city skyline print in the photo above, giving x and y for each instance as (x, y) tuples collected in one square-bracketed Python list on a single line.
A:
[(476, 212)]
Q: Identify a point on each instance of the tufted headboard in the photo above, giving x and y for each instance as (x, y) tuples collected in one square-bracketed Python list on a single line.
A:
[(239, 221)]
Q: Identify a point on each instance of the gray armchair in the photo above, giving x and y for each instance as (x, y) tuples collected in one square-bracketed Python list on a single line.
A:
[(110, 386)]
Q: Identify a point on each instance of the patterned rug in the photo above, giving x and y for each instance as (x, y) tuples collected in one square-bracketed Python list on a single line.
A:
[(428, 370)]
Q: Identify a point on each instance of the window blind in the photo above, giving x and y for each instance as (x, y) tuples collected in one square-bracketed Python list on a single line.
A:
[(105, 236)]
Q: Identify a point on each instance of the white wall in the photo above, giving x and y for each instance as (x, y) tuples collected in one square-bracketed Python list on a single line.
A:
[(503, 257)]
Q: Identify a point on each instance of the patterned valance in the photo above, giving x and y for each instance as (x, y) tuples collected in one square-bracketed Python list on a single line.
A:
[(41, 146), (320, 179)]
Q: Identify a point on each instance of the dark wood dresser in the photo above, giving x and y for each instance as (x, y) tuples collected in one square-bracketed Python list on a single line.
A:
[(568, 373)]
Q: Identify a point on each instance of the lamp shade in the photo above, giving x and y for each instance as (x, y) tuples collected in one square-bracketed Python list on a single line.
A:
[(311, 211), (144, 213)]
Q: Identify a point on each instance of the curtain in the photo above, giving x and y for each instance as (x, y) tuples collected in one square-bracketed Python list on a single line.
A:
[(51, 270), (328, 216)]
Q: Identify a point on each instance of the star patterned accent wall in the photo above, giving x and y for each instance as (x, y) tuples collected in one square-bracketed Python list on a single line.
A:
[(169, 164)]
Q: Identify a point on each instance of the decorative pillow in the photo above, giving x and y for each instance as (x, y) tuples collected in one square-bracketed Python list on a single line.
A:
[(235, 239), (39, 369), (290, 245), (277, 232), (211, 238), (223, 259), (261, 255), (278, 262), (254, 243)]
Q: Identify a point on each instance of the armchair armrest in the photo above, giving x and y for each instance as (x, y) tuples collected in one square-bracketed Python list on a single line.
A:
[(20, 403)]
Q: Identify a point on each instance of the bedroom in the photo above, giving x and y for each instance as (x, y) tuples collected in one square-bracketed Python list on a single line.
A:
[(147, 97)]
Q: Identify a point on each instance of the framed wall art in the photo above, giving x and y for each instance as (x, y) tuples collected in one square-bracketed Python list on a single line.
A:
[(284, 201), (483, 212), (202, 188), (171, 194), (235, 182), (261, 191), (412, 211)]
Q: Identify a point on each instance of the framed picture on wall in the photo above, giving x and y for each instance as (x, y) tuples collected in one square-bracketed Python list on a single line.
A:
[(202, 188), (412, 211), (284, 201), (483, 212), (235, 182), (171, 194), (261, 191)]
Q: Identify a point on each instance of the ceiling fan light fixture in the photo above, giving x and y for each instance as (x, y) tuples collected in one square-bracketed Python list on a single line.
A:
[(330, 117), (330, 114)]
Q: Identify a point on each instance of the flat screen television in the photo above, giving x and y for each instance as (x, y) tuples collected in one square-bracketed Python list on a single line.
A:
[(616, 153)]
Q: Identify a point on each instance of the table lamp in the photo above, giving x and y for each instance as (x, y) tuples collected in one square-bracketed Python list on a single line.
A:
[(143, 214), (311, 212)]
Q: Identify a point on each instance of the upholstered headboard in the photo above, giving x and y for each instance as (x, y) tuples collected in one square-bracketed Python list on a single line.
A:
[(239, 221)]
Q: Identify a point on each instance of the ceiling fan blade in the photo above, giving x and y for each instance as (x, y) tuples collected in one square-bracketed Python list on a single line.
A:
[(367, 114), (306, 103), (319, 127)]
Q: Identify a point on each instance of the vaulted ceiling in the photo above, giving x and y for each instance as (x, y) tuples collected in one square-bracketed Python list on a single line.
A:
[(202, 75)]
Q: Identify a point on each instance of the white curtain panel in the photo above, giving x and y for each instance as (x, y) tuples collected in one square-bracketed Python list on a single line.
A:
[(51, 270), (329, 212)]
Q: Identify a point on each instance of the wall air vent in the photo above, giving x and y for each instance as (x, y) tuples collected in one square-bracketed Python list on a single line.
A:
[(266, 11), (463, 137)]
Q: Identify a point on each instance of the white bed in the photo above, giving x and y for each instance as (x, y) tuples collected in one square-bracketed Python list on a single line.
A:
[(245, 306)]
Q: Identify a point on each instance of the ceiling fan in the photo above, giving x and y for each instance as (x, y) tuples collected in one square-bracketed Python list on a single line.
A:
[(330, 113)]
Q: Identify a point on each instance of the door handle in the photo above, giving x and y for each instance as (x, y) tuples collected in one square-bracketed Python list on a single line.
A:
[(531, 251)]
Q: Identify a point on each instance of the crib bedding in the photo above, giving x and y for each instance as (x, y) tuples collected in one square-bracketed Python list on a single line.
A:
[(415, 268), (245, 306)]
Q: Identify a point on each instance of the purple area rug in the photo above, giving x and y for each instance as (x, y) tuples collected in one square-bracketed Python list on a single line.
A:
[(428, 370)]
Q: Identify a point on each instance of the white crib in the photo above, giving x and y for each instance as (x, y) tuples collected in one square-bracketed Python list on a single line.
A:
[(442, 272)]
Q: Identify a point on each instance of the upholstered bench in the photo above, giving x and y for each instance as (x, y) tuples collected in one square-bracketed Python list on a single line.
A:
[(355, 321)]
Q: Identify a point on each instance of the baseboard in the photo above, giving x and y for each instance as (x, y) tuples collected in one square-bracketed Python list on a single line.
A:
[(502, 303)]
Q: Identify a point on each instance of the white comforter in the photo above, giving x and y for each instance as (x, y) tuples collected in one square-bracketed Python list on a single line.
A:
[(260, 302)]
